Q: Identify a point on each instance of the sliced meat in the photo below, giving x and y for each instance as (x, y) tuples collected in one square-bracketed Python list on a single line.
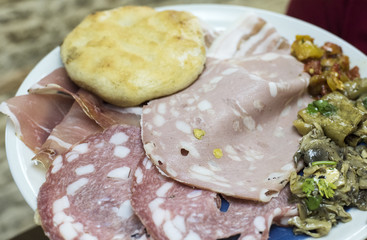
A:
[(75, 126), (103, 114), (87, 190), (247, 117), (34, 116), (249, 35), (78, 124), (56, 80), (171, 210)]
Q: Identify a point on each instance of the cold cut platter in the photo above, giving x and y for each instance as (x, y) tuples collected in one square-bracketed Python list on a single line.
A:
[(29, 177)]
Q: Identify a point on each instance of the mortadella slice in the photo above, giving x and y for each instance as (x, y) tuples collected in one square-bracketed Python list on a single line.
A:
[(170, 210), (87, 190), (231, 131)]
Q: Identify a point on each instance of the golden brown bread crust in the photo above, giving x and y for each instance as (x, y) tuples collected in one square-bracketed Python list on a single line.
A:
[(133, 54)]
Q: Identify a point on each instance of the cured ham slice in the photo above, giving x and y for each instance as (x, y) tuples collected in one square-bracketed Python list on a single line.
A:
[(87, 190), (34, 116), (75, 126), (88, 115), (57, 80), (171, 210), (103, 114), (231, 131), (248, 36)]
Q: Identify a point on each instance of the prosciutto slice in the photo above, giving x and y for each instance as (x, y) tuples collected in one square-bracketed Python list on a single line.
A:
[(87, 190), (88, 115), (171, 210), (243, 111), (75, 126), (248, 36), (103, 114), (34, 116)]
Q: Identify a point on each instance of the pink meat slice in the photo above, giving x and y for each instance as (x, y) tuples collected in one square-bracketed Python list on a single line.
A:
[(59, 79), (249, 35), (75, 126), (34, 116), (103, 114), (88, 115), (171, 210), (246, 109), (87, 190)]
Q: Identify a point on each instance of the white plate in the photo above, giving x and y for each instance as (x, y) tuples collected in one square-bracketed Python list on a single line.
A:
[(29, 177)]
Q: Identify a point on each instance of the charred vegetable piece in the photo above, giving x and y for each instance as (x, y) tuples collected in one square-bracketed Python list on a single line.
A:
[(310, 226), (328, 66), (336, 115), (354, 89), (303, 48)]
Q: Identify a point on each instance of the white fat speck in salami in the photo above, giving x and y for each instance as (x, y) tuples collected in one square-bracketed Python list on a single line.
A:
[(171, 210), (125, 211), (57, 164), (67, 231), (87, 236), (120, 173), (248, 114), (119, 138), (60, 204), (161, 192), (71, 156), (82, 170), (121, 151), (72, 188), (81, 148), (89, 197), (138, 174)]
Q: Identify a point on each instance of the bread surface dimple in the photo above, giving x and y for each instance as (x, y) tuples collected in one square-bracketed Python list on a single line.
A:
[(130, 55)]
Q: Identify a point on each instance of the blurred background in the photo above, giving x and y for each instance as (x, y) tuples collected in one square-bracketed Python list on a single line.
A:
[(29, 29)]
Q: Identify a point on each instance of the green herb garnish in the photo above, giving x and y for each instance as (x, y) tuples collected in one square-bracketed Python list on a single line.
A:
[(321, 106), (364, 101), (308, 186), (325, 188), (323, 163), (313, 203)]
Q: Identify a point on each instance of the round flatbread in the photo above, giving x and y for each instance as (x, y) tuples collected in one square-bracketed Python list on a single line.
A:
[(132, 54)]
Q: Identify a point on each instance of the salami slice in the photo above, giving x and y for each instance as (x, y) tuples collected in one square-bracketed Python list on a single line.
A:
[(171, 210), (87, 190)]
